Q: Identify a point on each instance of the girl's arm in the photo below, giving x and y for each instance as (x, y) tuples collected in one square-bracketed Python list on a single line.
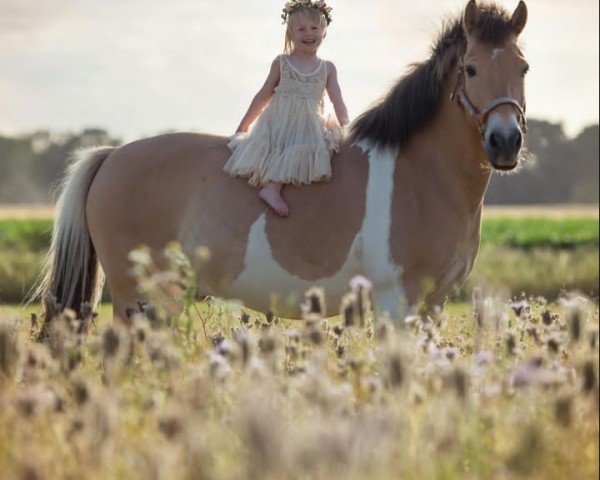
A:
[(260, 100), (335, 95)]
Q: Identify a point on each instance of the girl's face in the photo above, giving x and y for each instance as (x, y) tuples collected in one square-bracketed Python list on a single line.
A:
[(307, 33)]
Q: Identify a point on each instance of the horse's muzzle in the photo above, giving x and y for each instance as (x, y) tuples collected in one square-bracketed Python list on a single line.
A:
[(503, 147)]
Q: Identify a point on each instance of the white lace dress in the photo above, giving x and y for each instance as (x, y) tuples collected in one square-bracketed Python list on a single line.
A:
[(290, 142)]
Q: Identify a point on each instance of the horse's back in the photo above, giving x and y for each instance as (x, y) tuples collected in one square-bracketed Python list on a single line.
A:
[(147, 192)]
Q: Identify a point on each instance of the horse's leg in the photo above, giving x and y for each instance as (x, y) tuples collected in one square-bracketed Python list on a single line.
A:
[(390, 299), (125, 293)]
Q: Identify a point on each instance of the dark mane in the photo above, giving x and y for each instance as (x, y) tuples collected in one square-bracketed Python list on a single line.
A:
[(414, 100)]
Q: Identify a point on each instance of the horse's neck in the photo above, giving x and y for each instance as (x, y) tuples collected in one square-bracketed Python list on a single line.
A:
[(454, 157)]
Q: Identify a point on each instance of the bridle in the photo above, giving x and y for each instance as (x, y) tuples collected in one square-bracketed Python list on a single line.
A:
[(481, 115)]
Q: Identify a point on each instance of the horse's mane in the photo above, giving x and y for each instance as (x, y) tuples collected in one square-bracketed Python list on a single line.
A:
[(414, 100)]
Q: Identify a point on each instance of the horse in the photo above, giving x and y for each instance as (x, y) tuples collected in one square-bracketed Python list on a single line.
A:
[(403, 209)]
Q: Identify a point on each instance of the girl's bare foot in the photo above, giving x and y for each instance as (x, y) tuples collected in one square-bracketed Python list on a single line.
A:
[(271, 195)]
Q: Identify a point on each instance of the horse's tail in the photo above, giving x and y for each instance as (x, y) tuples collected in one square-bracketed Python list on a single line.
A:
[(71, 273)]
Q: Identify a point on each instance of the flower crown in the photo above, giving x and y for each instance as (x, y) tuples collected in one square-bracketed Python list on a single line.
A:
[(293, 5)]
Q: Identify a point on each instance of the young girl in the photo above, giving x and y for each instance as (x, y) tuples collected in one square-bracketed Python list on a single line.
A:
[(291, 142)]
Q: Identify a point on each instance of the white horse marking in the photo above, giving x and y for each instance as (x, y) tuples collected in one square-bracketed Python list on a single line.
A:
[(370, 253), (496, 52), (262, 274), (376, 229)]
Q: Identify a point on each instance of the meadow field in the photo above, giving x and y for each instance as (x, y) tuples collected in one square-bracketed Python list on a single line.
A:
[(536, 250), (502, 384)]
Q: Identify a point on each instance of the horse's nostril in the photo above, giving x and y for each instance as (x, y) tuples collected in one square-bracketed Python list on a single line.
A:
[(517, 139), (494, 141)]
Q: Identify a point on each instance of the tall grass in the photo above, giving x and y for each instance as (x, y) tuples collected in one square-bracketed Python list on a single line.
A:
[(498, 391)]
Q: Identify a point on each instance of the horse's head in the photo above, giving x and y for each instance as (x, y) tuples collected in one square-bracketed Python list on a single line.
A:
[(490, 83)]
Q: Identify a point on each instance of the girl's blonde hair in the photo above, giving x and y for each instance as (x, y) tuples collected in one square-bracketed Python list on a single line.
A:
[(313, 13)]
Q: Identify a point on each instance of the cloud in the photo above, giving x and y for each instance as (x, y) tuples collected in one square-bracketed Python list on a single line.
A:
[(141, 66)]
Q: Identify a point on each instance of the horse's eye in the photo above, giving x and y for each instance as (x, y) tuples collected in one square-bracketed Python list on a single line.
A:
[(471, 71), (524, 71)]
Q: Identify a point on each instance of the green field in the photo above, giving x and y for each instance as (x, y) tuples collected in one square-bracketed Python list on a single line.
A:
[(539, 255), (34, 234), (536, 232)]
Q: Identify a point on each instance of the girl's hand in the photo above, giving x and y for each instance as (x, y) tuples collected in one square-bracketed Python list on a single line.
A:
[(237, 135)]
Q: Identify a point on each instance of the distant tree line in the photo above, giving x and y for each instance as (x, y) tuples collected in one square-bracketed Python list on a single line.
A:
[(31, 166), (564, 170)]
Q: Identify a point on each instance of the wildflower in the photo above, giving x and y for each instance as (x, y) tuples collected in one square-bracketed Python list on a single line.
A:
[(140, 256), (314, 302), (171, 425), (348, 310), (593, 340), (292, 352), (217, 339), (315, 335), (589, 377), (202, 254), (459, 381), (219, 367), (478, 306), (396, 373), (29, 472), (532, 331), (149, 311), (80, 391), (511, 344), (384, 329), (110, 342), (267, 343), (575, 324), (573, 301), (139, 330), (8, 349), (521, 308), (226, 349), (531, 372), (26, 405), (412, 319), (483, 357), (563, 411), (359, 282), (528, 453), (547, 317), (361, 286), (553, 345), (262, 438)]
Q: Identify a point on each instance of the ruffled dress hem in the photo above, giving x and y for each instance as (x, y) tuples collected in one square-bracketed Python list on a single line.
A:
[(297, 165)]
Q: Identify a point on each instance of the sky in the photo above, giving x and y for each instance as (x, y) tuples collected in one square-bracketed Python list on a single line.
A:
[(140, 67)]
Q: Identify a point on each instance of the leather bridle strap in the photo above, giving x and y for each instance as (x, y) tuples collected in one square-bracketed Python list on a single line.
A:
[(481, 115)]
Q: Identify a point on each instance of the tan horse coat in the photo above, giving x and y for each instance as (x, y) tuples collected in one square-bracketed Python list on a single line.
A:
[(406, 217)]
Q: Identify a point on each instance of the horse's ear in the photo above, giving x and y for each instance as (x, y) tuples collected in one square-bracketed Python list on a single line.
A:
[(519, 18), (470, 17)]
